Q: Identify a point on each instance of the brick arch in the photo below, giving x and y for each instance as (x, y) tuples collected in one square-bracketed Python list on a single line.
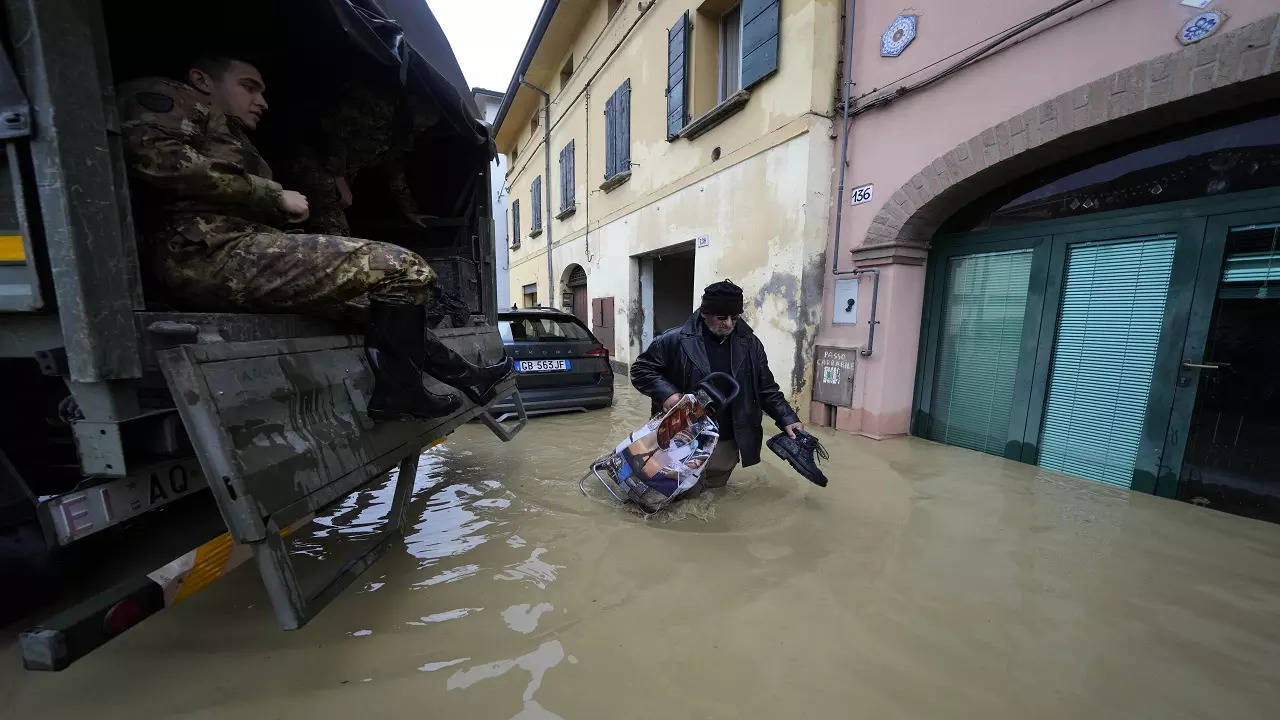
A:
[(1230, 70)]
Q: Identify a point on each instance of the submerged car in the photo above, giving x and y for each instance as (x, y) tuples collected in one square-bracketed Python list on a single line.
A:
[(560, 365)]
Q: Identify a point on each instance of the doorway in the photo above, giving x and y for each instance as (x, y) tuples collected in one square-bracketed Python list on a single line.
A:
[(576, 292), (1231, 459), (672, 290)]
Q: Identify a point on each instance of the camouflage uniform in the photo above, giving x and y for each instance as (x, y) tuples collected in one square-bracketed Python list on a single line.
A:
[(366, 128), (211, 212)]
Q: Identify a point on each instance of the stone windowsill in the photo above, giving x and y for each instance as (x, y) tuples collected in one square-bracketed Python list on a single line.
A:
[(535, 232), (567, 212), (716, 115), (615, 181)]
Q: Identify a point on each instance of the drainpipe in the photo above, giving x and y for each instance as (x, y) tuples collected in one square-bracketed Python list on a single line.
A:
[(844, 166), (546, 181), (844, 136)]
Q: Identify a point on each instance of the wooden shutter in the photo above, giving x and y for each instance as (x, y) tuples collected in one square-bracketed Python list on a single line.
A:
[(515, 223), (535, 222), (624, 126), (1104, 354), (617, 131), (567, 199), (610, 129), (677, 76), (759, 40)]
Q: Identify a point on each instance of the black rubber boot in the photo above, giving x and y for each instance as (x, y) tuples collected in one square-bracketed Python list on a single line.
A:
[(394, 346), (479, 383), (800, 454)]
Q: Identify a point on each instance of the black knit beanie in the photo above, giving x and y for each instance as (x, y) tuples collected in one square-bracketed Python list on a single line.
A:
[(722, 298)]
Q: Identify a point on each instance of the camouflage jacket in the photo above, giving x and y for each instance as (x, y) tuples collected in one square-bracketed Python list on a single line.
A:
[(193, 170)]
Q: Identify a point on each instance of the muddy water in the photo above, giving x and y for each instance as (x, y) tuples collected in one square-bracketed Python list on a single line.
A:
[(924, 582)]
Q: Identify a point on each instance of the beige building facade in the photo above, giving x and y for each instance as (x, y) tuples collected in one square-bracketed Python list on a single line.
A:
[(1071, 211), (689, 142)]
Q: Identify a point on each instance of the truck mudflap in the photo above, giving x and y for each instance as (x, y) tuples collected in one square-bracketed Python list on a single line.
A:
[(281, 432)]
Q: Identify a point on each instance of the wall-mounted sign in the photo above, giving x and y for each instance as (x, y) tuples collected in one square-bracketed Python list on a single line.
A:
[(704, 241), (833, 375), (898, 35), (859, 195), (1201, 26)]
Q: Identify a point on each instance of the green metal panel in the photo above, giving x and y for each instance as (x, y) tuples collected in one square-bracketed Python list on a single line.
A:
[(984, 306), (1105, 349)]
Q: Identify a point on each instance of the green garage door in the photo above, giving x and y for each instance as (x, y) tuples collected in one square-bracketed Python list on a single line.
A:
[(1113, 303), (984, 304)]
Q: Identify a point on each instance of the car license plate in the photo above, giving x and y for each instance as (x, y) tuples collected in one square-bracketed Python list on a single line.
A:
[(543, 365)]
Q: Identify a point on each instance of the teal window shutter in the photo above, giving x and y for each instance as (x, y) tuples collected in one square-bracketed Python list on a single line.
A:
[(983, 311), (535, 192), (677, 76), (1104, 353), (759, 40)]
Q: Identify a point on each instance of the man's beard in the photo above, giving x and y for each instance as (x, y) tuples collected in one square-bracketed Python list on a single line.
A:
[(720, 332)]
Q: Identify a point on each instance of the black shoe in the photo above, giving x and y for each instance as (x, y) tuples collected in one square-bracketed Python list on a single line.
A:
[(393, 344), (479, 383), (800, 454)]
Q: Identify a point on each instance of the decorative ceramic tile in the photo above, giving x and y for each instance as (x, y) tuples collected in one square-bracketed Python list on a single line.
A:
[(1201, 26), (898, 35)]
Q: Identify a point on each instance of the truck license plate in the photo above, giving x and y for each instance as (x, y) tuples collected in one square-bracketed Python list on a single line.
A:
[(80, 513), (543, 365)]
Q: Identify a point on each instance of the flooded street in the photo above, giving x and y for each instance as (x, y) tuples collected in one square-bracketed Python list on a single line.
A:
[(925, 581)]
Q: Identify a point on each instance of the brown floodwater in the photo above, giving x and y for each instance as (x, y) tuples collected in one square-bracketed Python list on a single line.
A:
[(925, 581)]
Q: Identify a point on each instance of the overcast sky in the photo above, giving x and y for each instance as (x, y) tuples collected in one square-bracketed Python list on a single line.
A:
[(487, 36)]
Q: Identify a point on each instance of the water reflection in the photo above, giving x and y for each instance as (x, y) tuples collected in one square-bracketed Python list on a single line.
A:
[(548, 655)]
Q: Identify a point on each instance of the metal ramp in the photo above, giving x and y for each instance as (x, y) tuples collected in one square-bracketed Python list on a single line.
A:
[(280, 429)]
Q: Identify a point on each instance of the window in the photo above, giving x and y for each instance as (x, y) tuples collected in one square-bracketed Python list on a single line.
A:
[(568, 203), (535, 221), (535, 122), (730, 53), (566, 72), (536, 329), (515, 224), (530, 293), (617, 136), (729, 48)]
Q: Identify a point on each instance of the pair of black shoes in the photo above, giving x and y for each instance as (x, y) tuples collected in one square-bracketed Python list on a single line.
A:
[(400, 349), (800, 454)]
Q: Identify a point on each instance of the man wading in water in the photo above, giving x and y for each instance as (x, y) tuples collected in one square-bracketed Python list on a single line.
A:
[(716, 339)]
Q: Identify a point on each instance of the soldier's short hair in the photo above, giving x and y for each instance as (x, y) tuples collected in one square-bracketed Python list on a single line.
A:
[(217, 64)]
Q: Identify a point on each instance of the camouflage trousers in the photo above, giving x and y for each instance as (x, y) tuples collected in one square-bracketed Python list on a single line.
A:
[(323, 275)]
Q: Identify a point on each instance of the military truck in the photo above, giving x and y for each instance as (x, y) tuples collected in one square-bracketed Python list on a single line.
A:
[(135, 430)]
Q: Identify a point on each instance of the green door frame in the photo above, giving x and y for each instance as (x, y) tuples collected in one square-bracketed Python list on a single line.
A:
[(1202, 301), (1194, 222)]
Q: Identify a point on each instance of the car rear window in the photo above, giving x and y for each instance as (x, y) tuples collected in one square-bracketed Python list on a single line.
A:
[(536, 329)]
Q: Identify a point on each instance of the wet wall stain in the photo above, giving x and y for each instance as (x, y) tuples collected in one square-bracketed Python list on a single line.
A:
[(803, 296), (635, 323)]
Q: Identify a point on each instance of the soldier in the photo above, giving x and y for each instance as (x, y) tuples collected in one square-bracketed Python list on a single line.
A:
[(366, 127), (211, 216)]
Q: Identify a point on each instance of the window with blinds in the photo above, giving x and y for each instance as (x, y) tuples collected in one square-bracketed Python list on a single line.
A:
[(983, 309), (1104, 353)]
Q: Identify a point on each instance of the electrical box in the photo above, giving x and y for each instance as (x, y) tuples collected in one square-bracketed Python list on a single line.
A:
[(833, 373), (845, 311)]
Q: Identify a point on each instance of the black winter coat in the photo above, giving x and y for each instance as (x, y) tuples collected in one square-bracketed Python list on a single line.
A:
[(677, 361)]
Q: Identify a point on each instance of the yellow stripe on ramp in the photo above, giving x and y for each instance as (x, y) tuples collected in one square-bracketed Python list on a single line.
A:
[(11, 249)]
